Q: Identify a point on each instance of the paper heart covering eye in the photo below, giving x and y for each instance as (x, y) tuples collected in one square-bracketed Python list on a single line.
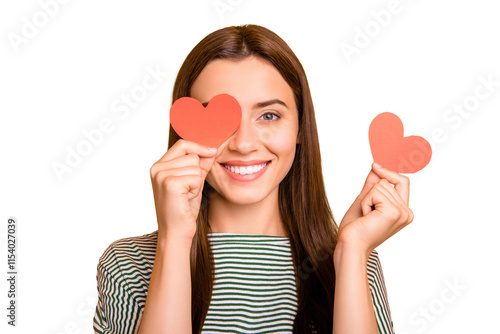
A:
[(393, 151), (210, 126)]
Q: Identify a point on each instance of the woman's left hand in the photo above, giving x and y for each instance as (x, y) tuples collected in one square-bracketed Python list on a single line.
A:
[(379, 211)]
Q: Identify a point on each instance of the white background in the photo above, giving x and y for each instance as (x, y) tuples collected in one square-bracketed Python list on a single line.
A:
[(66, 76)]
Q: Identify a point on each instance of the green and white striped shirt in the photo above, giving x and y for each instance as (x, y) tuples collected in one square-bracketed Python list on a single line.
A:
[(254, 287)]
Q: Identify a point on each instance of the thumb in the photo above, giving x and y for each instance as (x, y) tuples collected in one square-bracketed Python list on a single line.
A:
[(206, 165), (371, 179), (206, 162)]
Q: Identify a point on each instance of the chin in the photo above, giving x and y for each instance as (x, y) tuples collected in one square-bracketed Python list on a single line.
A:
[(244, 197), (241, 196)]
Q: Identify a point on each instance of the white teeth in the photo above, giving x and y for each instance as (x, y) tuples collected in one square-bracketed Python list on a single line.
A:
[(245, 170)]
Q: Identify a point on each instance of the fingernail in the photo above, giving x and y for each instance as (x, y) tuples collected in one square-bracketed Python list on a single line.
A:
[(212, 149), (376, 165)]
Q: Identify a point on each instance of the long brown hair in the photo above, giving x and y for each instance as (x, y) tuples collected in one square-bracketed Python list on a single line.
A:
[(303, 204)]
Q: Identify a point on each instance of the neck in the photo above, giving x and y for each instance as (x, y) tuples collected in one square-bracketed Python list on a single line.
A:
[(261, 218)]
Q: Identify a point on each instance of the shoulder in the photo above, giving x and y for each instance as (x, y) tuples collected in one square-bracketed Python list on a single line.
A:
[(128, 255), (144, 242), (379, 294), (376, 278), (123, 275), (374, 268)]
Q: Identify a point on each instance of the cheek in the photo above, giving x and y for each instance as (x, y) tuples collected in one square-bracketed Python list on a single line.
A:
[(280, 140), (211, 181)]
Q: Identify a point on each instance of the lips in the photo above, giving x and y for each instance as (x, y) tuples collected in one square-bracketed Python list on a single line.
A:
[(245, 170)]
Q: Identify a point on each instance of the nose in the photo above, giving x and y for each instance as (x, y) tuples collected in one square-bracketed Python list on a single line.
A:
[(245, 139)]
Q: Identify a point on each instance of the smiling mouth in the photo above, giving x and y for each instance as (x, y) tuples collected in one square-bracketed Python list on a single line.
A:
[(244, 170)]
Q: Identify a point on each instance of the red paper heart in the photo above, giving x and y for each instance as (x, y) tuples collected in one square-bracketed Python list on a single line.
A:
[(209, 126), (393, 151)]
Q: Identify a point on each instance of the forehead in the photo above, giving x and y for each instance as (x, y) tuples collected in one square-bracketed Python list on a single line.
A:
[(248, 80)]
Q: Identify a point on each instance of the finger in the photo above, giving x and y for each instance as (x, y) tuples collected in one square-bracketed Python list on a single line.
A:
[(395, 196), (189, 185), (183, 147), (388, 214), (370, 181), (162, 168), (401, 182), (384, 202), (184, 170), (178, 162), (189, 159), (378, 195)]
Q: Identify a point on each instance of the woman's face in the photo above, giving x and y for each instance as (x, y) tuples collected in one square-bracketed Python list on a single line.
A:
[(252, 162)]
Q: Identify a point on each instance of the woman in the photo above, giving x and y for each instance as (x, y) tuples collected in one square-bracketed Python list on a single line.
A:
[(246, 240)]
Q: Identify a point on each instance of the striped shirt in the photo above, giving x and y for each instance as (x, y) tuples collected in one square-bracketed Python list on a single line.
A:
[(254, 285)]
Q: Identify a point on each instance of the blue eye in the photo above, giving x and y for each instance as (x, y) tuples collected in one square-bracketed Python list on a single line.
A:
[(269, 116)]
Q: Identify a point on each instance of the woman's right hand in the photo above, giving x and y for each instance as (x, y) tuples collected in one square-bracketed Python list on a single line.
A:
[(177, 180)]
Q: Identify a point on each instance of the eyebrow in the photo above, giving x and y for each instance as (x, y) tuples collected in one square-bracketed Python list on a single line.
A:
[(268, 103), (263, 104)]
